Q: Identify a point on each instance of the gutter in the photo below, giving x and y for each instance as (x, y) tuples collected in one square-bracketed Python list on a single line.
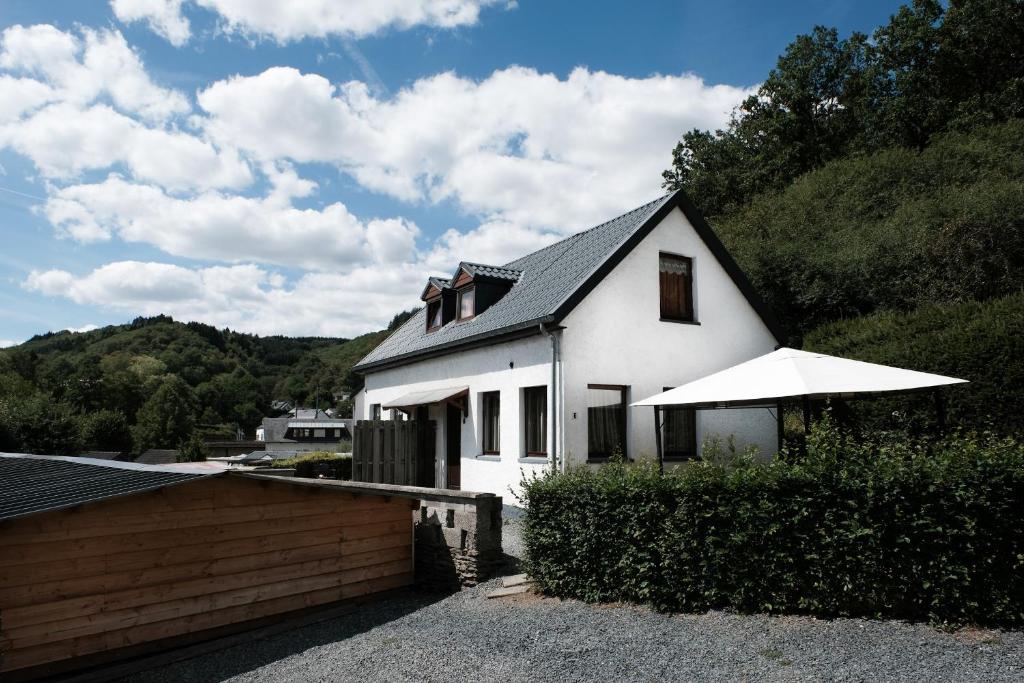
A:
[(556, 463)]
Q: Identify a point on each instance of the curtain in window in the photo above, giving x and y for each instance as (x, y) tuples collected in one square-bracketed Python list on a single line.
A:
[(535, 406), (606, 422), (679, 433), (675, 279), (492, 422), (467, 308)]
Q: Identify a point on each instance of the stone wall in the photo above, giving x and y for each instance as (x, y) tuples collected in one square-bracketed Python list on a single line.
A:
[(458, 540)]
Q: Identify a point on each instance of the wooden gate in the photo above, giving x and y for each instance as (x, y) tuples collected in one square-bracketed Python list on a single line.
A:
[(394, 452)]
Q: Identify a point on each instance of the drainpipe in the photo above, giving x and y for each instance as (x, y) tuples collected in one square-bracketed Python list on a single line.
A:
[(554, 397)]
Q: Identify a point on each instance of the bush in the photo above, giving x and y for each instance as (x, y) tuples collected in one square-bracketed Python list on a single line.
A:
[(895, 530), (318, 464), (979, 341)]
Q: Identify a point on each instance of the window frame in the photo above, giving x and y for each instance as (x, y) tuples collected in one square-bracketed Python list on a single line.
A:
[(692, 418), (624, 393), (689, 301), (440, 314), (375, 411), (485, 422), (541, 390), (458, 303)]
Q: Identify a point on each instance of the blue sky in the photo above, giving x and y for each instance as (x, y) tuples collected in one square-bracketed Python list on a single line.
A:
[(302, 173)]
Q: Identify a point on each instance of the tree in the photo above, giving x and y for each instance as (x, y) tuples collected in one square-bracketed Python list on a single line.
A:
[(193, 449), (36, 424), (167, 417), (107, 430)]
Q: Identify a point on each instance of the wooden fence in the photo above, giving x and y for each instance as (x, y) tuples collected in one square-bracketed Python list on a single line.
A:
[(394, 452)]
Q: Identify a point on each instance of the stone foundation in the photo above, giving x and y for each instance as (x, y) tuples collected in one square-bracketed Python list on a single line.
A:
[(458, 540)]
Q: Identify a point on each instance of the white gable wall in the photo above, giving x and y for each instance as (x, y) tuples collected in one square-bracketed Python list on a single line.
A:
[(614, 336)]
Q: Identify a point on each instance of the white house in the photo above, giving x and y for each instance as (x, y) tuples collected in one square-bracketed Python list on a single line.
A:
[(534, 363)]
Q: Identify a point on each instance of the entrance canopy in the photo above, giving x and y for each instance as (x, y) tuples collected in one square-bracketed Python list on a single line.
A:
[(421, 398), (790, 373)]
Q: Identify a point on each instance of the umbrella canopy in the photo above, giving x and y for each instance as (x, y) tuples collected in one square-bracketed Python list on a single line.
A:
[(789, 373)]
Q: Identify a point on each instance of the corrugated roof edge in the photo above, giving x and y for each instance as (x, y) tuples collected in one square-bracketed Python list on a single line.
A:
[(677, 199)]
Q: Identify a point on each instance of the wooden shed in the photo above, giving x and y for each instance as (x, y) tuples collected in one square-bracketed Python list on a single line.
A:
[(99, 558)]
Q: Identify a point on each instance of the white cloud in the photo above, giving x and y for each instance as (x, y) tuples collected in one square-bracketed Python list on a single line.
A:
[(88, 327), (298, 19), (230, 228), (81, 70), (243, 297), (518, 146), (21, 95), (7, 343), (163, 17)]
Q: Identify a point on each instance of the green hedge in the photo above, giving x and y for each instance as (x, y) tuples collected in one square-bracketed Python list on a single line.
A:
[(922, 532), (318, 464)]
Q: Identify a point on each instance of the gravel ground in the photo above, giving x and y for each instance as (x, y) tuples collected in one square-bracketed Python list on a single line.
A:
[(416, 637)]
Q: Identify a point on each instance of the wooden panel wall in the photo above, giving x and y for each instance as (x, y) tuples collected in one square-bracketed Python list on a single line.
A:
[(187, 558)]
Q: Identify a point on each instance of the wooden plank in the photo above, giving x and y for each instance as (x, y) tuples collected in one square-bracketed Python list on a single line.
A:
[(41, 654), (387, 562)]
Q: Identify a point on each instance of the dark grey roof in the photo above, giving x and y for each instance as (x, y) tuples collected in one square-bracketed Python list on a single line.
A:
[(439, 282), (497, 272), (158, 456), (35, 484), (552, 281)]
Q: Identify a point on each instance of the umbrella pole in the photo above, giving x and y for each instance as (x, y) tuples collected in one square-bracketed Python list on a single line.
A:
[(780, 425), (940, 410), (657, 438), (807, 415)]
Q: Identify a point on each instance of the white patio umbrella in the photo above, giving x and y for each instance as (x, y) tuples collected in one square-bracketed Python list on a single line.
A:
[(790, 373)]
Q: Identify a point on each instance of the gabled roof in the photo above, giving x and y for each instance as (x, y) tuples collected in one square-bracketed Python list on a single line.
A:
[(438, 283), (551, 282), (495, 272), (32, 484)]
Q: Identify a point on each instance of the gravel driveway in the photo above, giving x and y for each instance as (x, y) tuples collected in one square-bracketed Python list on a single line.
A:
[(415, 637)]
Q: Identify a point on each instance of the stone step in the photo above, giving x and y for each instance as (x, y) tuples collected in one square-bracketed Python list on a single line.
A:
[(512, 590), (515, 580)]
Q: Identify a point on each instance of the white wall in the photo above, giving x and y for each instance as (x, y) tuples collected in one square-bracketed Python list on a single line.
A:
[(482, 370), (614, 336)]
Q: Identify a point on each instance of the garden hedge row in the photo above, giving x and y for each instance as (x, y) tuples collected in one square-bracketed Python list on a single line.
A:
[(922, 532), (318, 464)]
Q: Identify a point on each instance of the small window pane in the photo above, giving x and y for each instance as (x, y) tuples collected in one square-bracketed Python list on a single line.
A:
[(491, 405), (433, 315), (679, 433), (319, 434), (675, 278), (466, 303), (375, 411), (606, 421), (535, 412)]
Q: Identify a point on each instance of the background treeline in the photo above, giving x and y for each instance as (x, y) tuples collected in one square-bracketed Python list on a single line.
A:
[(873, 190), (154, 382)]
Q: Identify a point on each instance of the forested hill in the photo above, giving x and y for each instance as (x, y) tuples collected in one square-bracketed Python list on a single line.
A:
[(873, 190), (113, 388)]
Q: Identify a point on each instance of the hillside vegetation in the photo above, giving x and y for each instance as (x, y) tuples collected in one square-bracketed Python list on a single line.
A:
[(873, 190), (152, 382)]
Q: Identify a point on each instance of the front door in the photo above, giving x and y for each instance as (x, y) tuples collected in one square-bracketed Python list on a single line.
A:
[(426, 448), (453, 447)]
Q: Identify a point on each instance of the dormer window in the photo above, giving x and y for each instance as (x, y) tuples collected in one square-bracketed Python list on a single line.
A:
[(467, 303), (434, 314)]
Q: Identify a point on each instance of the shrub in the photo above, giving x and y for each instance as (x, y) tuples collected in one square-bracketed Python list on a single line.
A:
[(318, 464), (898, 530), (979, 341)]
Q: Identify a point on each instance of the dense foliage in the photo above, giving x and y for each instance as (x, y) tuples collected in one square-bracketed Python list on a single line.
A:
[(152, 382), (856, 528), (895, 229), (982, 342), (319, 464), (931, 69)]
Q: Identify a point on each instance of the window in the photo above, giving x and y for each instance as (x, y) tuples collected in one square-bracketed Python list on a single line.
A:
[(606, 421), (375, 411), (675, 277), (467, 308), (535, 420), (433, 314), (490, 415), (678, 433)]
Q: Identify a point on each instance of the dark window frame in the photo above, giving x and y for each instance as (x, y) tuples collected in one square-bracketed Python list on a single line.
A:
[(487, 438), (436, 306), (691, 417), (542, 392), (458, 303), (687, 312), (375, 411), (624, 393)]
